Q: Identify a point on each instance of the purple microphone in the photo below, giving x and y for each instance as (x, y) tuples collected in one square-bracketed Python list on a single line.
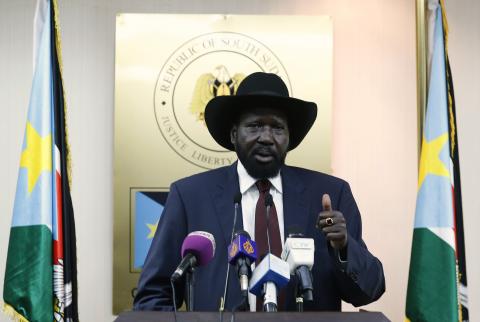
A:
[(198, 249)]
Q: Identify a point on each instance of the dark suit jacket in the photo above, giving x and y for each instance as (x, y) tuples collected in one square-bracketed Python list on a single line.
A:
[(205, 202)]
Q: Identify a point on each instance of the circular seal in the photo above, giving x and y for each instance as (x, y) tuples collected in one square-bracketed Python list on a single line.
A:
[(206, 66)]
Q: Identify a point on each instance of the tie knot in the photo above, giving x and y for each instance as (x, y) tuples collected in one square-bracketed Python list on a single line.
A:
[(263, 185)]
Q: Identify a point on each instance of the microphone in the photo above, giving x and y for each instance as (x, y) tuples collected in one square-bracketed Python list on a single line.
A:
[(268, 205), (271, 273), (198, 249), (237, 199), (242, 252), (298, 252)]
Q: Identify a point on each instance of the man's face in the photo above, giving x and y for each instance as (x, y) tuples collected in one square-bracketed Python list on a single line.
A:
[(261, 139)]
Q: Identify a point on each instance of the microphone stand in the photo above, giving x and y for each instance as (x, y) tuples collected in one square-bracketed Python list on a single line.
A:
[(303, 287), (223, 299), (190, 285), (299, 303)]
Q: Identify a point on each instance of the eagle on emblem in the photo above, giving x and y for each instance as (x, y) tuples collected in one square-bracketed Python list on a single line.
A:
[(209, 86)]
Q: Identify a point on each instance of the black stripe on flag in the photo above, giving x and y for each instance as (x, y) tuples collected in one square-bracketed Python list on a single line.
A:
[(454, 155), (69, 238)]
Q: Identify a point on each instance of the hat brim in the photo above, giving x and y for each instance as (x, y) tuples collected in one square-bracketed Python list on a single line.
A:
[(222, 111)]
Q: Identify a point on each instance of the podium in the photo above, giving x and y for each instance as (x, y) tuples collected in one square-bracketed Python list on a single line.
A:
[(150, 316)]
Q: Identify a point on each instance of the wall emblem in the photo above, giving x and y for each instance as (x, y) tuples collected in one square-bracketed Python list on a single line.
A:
[(204, 67)]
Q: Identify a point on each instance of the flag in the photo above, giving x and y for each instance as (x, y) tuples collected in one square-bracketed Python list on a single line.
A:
[(40, 276), (148, 210), (434, 284)]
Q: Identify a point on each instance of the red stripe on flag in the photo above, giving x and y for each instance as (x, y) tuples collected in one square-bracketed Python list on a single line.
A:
[(58, 244)]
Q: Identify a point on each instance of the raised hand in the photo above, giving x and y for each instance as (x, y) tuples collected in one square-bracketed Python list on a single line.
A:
[(332, 224)]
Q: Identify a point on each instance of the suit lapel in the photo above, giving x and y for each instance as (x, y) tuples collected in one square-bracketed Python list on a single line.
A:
[(226, 189), (295, 207)]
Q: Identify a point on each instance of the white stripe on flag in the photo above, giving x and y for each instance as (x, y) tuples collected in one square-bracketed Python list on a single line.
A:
[(452, 172), (446, 234), (57, 161), (463, 295)]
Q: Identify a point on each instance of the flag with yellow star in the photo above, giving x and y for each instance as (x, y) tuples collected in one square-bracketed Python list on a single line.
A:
[(40, 276), (434, 285), (148, 209)]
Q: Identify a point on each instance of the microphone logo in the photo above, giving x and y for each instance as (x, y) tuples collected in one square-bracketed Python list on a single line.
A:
[(233, 250), (242, 245), (247, 246)]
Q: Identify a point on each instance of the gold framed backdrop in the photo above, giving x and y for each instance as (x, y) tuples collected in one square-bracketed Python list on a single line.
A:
[(167, 67)]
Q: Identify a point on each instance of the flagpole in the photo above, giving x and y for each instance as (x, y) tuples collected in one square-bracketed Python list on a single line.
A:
[(421, 70)]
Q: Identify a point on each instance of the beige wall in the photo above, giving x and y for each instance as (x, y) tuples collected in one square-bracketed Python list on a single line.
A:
[(374, 122)]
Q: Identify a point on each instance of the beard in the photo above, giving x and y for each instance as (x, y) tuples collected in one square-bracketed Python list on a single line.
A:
[(259, 170)]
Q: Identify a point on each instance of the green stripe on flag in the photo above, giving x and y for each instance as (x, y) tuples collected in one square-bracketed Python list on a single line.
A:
[(28, 275), (432, 290)]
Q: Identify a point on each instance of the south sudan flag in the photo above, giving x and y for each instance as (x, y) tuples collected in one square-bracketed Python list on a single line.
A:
[(40, 275)]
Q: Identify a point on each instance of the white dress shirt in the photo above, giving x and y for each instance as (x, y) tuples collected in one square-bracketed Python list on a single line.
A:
[(250, 195)]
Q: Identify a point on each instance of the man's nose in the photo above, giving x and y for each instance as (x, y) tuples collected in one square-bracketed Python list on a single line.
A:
[(266, 135)]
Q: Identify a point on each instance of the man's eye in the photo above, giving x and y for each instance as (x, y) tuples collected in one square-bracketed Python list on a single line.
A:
[(279, 127)]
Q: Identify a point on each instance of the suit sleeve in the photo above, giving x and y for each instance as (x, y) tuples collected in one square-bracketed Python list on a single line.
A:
[(154, 292), (360, 278)]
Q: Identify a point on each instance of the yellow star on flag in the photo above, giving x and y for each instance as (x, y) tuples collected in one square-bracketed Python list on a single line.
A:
[(37, 156), (430, 162), (153, 230)]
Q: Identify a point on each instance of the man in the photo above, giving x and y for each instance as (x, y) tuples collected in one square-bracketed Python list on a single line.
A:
[(261, 123)]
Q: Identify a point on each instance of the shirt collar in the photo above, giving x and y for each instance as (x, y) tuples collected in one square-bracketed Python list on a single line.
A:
[(246, 181)]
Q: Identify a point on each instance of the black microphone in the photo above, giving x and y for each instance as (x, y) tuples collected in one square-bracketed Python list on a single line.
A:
[(268, 200), (268, 205), (237, 199), (295, 231)]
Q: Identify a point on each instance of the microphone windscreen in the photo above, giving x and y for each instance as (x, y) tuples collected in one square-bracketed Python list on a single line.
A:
[(242, 245), (201, 244), (268, 200), (237, 198), (295, 231), (243, 233)]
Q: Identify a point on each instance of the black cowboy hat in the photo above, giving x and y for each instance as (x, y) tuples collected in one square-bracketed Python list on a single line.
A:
[(259, 90)]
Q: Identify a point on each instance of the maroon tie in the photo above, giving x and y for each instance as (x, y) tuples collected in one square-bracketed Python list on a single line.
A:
[(261, 232)]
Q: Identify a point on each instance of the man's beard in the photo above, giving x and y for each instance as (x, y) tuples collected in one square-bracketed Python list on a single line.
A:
[(259, 170)]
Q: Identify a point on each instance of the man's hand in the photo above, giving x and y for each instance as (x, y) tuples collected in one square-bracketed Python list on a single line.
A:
[(332, 224)]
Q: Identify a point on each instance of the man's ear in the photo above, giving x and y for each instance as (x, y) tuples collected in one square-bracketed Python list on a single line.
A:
[(233, 135)]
